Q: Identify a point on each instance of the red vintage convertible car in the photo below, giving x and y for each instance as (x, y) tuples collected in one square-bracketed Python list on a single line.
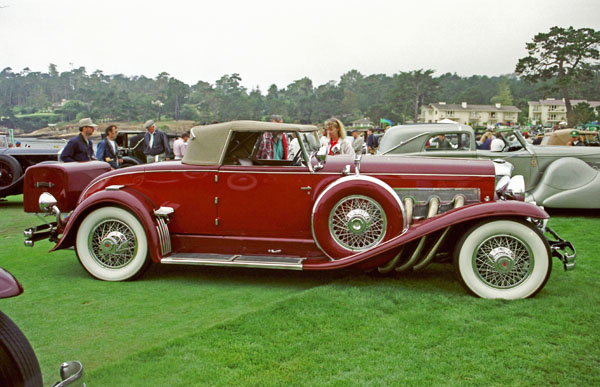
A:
[(223, 206)]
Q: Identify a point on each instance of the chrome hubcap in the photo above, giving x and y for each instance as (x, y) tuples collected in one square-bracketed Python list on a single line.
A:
[(503, 261), (358, 220), (357, 223), (112, 243)]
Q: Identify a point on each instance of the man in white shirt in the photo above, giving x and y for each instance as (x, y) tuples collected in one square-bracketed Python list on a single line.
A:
[(180, 145)]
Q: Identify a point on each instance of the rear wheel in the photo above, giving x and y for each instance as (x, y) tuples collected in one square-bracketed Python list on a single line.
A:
[(112, 245), (10, 170), (18, 364), (503, 259)]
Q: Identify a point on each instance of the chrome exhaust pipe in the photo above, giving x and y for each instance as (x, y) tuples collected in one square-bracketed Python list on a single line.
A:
[(434, 206), (409, 206)]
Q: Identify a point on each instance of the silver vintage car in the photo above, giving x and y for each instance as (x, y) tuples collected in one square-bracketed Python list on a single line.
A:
[(555, 177)]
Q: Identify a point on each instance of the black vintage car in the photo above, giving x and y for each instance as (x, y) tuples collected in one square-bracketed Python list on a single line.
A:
[(14, 160)]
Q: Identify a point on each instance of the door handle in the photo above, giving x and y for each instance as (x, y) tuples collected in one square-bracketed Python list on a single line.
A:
[(307, 188)]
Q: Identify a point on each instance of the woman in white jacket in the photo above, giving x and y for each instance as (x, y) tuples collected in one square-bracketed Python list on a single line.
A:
[(336, 138)]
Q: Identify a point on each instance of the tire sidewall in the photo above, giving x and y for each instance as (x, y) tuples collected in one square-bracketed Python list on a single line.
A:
[(14, 166), (542, 264), (91, 265), (323, 208)]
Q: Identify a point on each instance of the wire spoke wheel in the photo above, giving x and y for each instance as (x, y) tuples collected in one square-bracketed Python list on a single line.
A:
[(112, 243), (357, 223), (6, 174), (503, 261)]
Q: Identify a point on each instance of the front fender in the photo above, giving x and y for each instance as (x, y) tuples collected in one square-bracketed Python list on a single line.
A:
[(568, 183), (125, 198), (498, 209)]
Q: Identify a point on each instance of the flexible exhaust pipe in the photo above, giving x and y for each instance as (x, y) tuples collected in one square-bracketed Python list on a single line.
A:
[(392, 263)]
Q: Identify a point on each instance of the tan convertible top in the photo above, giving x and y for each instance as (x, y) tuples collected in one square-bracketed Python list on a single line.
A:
[(207, 142)]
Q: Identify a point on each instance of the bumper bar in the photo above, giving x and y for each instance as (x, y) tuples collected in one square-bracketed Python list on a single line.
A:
[(562, 250), (38, 233)]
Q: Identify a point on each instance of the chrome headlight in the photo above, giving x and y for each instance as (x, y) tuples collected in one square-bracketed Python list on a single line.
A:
[(502, 168), (516, 188), (48, 203)]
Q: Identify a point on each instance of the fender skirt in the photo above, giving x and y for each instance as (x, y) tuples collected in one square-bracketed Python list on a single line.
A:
[(125, 198), (428, 226)]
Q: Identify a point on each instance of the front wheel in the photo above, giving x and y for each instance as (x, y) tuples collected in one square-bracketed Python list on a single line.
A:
[(506, 259), (112, 245)]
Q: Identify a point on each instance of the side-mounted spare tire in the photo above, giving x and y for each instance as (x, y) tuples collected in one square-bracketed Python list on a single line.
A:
[(10, 170), (354, 214), (18, 364)]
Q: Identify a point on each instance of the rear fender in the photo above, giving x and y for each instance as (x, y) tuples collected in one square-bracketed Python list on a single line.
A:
[(499, 209), (128, 199)]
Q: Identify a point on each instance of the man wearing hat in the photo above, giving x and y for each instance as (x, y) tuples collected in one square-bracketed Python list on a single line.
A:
[(80, 148), (156, 143), (575, 141)]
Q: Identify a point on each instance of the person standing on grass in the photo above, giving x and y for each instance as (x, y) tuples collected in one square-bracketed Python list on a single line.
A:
[(180, 145), (80, 148), (156, 143), (336, 138), (357, 142), (273, 145)]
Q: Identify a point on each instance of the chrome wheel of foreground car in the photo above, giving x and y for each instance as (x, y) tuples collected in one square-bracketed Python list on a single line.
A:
[(112, 245), (357, 223), (503, 259)]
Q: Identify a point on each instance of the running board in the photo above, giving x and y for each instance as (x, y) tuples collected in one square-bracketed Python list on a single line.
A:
[(265, 262)]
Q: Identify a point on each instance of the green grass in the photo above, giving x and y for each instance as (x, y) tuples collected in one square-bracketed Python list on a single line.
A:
[(198, 325)]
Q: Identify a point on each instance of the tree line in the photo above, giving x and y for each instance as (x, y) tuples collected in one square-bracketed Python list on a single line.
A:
[(30, 99)]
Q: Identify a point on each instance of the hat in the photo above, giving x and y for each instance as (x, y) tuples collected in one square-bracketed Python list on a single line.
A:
[(574, 133), (148, 124), (86, 122)]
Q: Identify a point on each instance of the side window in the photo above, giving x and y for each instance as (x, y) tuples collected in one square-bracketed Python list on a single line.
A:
[(261, 148), (448, 141)]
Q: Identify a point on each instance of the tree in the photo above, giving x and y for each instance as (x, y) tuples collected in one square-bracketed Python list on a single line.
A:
[(561, 56), (504, 95), (583, 113)]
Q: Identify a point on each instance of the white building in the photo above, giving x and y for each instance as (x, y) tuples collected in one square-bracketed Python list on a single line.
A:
[(552, 111), (466, 114)]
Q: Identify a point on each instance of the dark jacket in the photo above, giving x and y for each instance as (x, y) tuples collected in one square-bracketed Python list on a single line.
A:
[(160, 144), (77, 150), (105, 150)]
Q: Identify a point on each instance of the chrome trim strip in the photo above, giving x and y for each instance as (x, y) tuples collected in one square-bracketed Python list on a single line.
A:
[(232, 262)]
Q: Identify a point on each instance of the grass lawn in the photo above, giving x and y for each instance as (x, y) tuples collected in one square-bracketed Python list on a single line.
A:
[(191, 325)]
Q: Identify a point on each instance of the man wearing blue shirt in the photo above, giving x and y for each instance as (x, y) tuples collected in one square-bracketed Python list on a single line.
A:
[(108, 150), (80, 148)]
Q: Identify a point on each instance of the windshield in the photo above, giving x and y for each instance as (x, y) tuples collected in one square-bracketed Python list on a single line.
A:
[(511, 140), (311, 141)]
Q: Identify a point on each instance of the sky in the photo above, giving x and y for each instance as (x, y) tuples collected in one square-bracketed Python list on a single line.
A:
[(276, 42)]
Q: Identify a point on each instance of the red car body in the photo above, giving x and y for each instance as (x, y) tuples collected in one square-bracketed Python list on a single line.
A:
[(262, 213)]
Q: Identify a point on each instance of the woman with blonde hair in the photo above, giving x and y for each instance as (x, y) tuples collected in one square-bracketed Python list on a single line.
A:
[(336, 138)]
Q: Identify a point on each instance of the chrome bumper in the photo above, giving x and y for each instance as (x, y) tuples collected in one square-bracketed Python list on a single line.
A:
[(38, 233), (562, 249)]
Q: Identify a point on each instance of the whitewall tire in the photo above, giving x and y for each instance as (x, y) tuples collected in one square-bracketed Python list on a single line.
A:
[(506, 259), (112, 245)]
